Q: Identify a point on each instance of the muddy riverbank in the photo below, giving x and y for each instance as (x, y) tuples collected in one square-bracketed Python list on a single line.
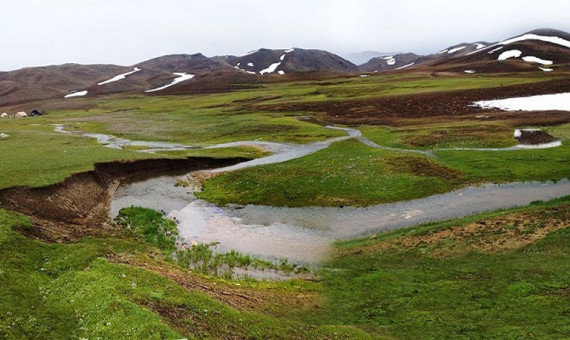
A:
[(79, 205)]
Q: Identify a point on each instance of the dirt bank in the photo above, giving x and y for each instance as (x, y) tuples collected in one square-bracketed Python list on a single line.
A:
[(79, 205)]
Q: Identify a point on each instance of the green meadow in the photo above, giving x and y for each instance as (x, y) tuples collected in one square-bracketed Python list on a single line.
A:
[(503, 274)]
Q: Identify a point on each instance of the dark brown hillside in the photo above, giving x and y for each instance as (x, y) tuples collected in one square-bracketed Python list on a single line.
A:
[(290, 61)]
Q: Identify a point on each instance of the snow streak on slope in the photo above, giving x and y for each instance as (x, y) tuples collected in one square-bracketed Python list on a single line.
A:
[(181, 77), (274, 66), (530, 36), (457, 49), (495, 50), (119, 77), (241, 69), (76, 94), (402, 67)]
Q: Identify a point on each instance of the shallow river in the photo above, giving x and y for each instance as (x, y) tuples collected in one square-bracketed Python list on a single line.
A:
[(305, 234)]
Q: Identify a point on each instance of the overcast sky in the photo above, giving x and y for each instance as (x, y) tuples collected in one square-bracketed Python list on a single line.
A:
[(125, 32)]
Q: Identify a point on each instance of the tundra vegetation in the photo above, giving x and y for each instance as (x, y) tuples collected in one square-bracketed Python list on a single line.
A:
[(502, 274)]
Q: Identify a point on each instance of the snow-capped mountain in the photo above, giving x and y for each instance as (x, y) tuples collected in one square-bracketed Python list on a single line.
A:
[(543, 50)]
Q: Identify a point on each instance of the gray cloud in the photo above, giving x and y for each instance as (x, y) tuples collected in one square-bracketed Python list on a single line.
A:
[(39, 32)]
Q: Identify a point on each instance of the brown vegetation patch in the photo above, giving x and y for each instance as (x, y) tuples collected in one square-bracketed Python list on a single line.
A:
[(455, 135), (451, 105), (419, 166), (188, 320), (513, 231), (535, 137)]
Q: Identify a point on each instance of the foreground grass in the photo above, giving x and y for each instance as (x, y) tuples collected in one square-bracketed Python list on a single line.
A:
[(459, 278), (57, 291), (499, 275)]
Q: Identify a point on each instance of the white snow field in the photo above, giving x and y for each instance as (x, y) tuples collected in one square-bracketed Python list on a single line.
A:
[(119, 77), (509, 54), (559, 101), (181, 77)]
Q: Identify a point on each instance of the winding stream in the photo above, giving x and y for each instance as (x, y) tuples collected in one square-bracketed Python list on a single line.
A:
[(305, 234)]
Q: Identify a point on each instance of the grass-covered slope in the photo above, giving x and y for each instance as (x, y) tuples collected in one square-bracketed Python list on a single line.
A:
[(351, 173), (83, 290), (499, 275), (347, 173)]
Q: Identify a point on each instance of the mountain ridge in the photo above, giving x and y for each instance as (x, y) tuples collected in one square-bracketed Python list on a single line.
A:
[(543, 49)]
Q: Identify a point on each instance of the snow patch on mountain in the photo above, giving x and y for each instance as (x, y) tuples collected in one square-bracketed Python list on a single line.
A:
[(456, 49), (271, 68), (529, 36), (119, 77), (532, 59), (553, 40), (274, 66), (509, 54), (241, 69), (181, 77), (76, 94), (479, 46)]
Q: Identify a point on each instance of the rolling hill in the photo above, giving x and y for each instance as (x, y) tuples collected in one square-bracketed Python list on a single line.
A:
[(535, 51)]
